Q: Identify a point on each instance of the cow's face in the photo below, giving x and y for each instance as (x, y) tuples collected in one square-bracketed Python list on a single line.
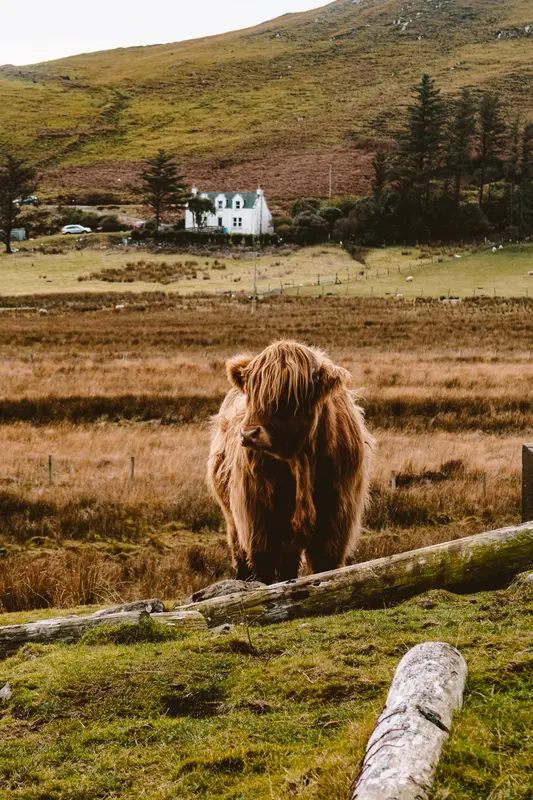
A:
[(284, 386)]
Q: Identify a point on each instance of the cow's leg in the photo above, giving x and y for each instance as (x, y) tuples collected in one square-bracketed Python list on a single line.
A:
[(328, 545), (238, 556), (289, 563), (320, 561), (263, 565)]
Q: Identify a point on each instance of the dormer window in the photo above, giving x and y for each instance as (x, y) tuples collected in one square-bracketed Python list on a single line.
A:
[(237, 204), (221, 204)]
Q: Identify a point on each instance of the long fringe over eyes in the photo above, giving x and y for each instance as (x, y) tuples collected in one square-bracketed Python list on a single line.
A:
[(283, 375)]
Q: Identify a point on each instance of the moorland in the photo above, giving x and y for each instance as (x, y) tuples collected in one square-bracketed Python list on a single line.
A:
[(100, 378), (321, 88)]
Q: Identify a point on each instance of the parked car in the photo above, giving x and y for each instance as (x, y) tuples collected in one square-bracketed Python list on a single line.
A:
[(139, 225), (32, 200), (75, 229)]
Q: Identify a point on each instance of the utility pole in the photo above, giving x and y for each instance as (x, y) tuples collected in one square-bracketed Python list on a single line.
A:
[(254, 291)]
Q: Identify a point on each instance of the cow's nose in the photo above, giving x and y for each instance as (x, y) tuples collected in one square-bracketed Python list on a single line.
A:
[(250, 435)]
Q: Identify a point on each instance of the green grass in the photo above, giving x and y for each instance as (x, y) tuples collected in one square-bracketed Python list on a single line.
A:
[(437, 274), (279, 712), (315, 81)]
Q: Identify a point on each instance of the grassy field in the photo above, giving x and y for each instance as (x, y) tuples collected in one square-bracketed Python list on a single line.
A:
[(282, 712), (447, 391), (317, 83), (54, 265), (279, 712)]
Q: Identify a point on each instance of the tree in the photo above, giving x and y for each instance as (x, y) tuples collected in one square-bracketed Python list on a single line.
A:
[(380, 180), (201, 207), (512, 169), (305, 204), (423, 139), (161, 185), (525, 202), (331, 214), (310, 228), (490, 139), (17, 180), (460, 140)]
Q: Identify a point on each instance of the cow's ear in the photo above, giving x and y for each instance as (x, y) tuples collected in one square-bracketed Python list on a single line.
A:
[(330, 378), (236, 369)]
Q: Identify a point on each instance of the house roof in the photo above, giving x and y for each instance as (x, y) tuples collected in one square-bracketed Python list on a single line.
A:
[(249, 198)]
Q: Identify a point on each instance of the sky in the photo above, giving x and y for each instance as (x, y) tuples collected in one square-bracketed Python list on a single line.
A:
[(41, 30)]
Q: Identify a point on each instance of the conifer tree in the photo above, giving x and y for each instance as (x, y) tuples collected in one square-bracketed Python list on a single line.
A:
[(162, 187), (380, 179), (491, 138), (423, 141), (525, 201), (512, 169), (17, 181), (460, 140)]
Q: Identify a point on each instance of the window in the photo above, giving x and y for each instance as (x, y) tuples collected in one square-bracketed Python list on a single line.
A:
[(237, 222), (220, 222), (221, 204), (237, 204)]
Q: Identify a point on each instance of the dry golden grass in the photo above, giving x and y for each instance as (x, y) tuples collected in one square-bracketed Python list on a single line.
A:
[(377, 375), (440, 385)]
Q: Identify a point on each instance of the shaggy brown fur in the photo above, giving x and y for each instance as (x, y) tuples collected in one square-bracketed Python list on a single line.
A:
[(289, 462)]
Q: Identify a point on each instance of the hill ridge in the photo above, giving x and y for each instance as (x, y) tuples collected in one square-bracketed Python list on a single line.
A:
[(275, 102)]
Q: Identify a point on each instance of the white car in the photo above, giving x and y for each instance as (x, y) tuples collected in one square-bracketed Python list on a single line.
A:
[(75, 229)]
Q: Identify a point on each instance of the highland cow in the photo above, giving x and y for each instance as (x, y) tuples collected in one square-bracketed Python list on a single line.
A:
[(289, 462)]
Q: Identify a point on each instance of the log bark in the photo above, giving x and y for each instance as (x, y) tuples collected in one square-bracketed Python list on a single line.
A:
[(404, 749), (70, 629), (154, 605), (485, 561)]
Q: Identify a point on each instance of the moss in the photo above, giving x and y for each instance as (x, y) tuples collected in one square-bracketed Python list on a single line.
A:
[(287, 716), (146, 630)]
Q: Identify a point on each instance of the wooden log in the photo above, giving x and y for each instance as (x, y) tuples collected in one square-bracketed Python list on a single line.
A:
[(527, 482), (485, 561), (404, 749), (154, 605), (70, 629)]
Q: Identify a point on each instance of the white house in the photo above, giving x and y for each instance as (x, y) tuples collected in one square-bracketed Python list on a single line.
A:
[(235, 212)]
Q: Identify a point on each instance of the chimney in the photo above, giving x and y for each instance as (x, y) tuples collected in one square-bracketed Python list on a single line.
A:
[(260, 190), (194, 191)]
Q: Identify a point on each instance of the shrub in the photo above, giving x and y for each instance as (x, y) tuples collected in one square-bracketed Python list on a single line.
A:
[(302, 205), (237, 238), (310, 228), (99, 199), (331, 214), (110, 223), (285, 232)]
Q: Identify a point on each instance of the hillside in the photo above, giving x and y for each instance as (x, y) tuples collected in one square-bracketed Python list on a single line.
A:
[(276, 103)]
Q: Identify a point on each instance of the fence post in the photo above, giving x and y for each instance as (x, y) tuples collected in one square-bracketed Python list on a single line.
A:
[(527, 482), (49, 469), (393, 481), (132, 467)]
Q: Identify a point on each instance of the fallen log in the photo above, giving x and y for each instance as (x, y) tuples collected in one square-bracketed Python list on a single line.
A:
[(405, 746), (150, 606), (70, 629), (485, 561)]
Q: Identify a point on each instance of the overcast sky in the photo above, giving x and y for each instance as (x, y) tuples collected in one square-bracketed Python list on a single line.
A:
[(41, 30)]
